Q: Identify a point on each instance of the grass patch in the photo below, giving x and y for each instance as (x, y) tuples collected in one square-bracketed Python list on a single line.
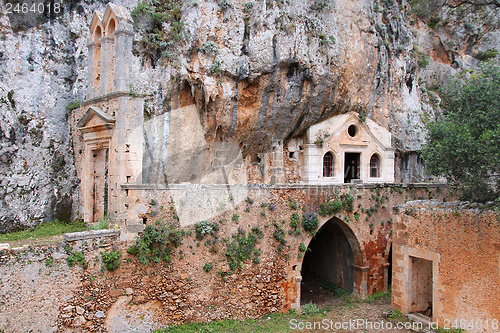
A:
[(275, 322), (102, 224), (385, 295), (397, 316), (44, 230)]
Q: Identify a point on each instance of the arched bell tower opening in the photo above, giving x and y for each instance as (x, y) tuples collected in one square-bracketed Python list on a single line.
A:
[(96, 76), (334, 255)]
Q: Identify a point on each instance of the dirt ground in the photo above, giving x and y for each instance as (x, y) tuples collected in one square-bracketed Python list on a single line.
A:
[(345, 316)]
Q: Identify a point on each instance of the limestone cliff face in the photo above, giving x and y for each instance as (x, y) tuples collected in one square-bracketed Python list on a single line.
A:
[(257, 71)]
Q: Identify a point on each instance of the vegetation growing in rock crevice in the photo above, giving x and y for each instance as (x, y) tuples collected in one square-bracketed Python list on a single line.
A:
[(242, 248), (156, 243), (75, 258), (161, 26)]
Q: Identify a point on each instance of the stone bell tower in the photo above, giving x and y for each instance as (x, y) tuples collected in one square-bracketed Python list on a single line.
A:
[(110, 121)]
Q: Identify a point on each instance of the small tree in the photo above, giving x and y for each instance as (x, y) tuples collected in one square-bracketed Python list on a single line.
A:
[(465, 146)]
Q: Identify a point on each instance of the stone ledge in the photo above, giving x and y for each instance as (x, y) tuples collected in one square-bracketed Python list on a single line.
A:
[(75, 236), (299, 186)]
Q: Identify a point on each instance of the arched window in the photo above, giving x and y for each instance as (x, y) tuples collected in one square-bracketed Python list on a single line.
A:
[(374, 166), (328, 165)]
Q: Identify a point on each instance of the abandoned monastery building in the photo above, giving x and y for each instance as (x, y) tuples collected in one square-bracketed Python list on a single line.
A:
[(341, 187)]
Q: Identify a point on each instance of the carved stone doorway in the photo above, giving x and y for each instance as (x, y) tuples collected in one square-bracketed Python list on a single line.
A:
[(99, 175)]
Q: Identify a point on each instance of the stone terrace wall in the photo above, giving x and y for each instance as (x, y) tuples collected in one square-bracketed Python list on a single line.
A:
[(463, 245), (74, 299)]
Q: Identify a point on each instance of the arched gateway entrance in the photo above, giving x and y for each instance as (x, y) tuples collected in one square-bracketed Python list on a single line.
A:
[(335, 256)]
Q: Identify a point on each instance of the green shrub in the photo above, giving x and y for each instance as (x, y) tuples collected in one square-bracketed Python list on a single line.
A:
[(235, 218), (248, 7), (208, 267), (486, 55), (240, 249), (76, 258), (210, 48), (258, 232), (329, 208), (111, 260), (204, 227), (294, 220), (310, 221), (310, 309), (215, 68), (338, 291), (421, 58), (102, 224), (302, 247), (160, 24), (225, 4), (155, 243), (348, 202), (319, 5), (279, 233), (73, 105)]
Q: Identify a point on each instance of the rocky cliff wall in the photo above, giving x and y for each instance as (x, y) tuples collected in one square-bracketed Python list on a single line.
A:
[(257, 71)]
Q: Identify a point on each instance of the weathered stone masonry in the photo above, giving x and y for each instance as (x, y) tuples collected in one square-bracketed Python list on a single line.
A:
[(447, 258), (184, 291)]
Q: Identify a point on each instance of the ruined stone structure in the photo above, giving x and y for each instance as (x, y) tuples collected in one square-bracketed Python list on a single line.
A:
[(446, 264), (110, 144), (133, 168), (122, 153)]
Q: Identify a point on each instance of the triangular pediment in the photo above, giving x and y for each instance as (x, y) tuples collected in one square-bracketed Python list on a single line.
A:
[(118, 12), (337, 124), (96, 20), (95, 117)]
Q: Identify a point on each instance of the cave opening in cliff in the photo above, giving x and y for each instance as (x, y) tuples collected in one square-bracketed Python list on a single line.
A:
[(351, 167), (328, 262)]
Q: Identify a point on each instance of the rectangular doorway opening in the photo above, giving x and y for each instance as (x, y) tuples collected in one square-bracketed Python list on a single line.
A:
[(99, 184), (421, 286), (351, 167)]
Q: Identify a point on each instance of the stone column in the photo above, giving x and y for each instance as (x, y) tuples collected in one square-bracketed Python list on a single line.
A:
[(277, 168), (311, 158), (107, 50), (124, 38), (91, 75), (361, 280), (298, 282)]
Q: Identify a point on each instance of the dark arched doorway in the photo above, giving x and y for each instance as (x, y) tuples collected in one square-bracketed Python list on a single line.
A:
[(332, 257)]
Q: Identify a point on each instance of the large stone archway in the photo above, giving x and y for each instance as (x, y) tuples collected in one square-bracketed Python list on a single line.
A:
[(336, 256)]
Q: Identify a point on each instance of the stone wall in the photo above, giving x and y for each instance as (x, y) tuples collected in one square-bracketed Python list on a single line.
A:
[(448, 254), (94, 299)]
